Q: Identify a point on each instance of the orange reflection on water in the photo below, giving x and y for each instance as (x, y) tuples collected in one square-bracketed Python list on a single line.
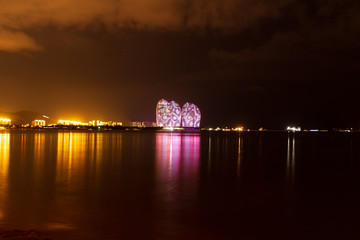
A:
[(72, 154), (4, 155), (80, 156), (4, 168), (39, 142), (39, 152)]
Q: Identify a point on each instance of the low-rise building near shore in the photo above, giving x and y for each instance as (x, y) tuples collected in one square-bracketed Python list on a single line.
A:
[(38, 123), (5, 122)]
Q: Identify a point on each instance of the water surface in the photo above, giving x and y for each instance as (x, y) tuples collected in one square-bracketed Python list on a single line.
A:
[(157, 185)]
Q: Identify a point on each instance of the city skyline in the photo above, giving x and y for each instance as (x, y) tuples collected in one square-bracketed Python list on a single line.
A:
[(42, 120), (269, 63)]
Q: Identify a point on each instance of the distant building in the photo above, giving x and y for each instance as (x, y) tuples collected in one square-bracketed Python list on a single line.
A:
[(114, 124), (38, 123), (71, 123), (293, 129), (98, 123), (137, 124), (149, 124), (143, 124), (4, 121)]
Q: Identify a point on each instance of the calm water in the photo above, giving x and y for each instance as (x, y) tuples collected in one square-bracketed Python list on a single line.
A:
[(147, 185)]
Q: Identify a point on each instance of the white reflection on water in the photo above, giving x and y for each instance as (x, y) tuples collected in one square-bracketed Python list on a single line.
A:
[(290, 159)]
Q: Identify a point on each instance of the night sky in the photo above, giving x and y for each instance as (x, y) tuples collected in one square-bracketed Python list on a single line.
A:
[(259, 63)]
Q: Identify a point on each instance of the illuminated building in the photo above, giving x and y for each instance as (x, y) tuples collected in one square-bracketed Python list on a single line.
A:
[(190, 115), (175, 110), (293, 129), (143, 124), (163, 113), (239, 129), (98, 123), (71, 123), (4, 121), (38, 123), (137, 124), (169, 114), (150, 124), (114, 124)]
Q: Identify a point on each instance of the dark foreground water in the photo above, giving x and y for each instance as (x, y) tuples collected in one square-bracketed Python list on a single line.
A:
[(147, 185)]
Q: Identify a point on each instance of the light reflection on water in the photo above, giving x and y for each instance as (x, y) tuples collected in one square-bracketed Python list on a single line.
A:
[(290, 159), (4, 155), (108, 185), (177, 170), (4, 168), (177, 159), (49, 179)]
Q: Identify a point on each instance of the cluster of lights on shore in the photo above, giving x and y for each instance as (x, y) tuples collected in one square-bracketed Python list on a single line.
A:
[(94, 123), (5, 121), (169, 116), (42, 123), (237, 129), (97, 123)]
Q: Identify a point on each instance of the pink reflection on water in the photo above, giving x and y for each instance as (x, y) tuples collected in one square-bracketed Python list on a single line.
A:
[(176, 185), (168, 154), (177, 165), (191, 152)]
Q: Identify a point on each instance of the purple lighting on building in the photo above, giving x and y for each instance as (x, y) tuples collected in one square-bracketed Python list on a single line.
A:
[(191, 115), (163, 113), (175, 114), (169, 114)]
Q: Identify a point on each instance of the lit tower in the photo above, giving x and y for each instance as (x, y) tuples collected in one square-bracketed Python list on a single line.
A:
[(163, 113), (190, 115), (175, 114)]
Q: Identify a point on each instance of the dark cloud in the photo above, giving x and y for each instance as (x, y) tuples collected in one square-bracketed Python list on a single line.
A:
[(242, 61), (301, 70), (322, 44), (175, 15)]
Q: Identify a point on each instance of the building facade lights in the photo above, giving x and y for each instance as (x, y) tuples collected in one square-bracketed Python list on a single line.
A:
[(5, 121), (38, 123), (190, 115), (71, 123), (169, 114)]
